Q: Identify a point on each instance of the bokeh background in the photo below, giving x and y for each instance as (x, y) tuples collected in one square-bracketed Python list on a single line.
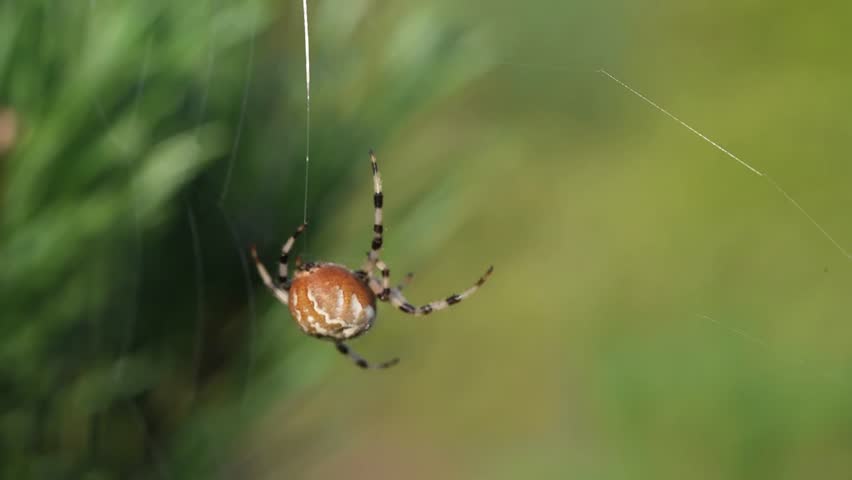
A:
[(657, 310)]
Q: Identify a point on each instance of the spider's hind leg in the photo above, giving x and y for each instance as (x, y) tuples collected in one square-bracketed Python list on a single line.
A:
[(359, 360)]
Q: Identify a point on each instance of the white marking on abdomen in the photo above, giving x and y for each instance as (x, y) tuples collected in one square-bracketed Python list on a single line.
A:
[(340, 301), (329, 319), (316, 326), (355, 306)]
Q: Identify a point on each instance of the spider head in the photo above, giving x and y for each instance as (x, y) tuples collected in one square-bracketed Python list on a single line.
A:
[(306, 267)]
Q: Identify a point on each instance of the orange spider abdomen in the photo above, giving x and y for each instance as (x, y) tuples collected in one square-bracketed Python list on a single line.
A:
[(330, 301)]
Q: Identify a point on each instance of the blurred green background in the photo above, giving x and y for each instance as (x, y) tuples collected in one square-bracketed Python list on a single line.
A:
[(657, 311)]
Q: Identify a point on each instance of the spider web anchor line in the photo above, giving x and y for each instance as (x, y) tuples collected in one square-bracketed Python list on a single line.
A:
[(307, 106), (682, 123), (766, 346), (809, 217), (757, 172)]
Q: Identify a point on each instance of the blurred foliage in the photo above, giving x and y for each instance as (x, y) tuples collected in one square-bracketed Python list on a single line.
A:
[(132, 134)]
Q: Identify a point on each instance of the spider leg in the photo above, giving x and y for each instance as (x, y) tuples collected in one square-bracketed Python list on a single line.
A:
[(285, 251), (383, 267), (378, 226), (367, 275), (405, 281), (280, 294), (398, 300), (359, 360)]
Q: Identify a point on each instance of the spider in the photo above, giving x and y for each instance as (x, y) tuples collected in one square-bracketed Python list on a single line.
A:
[(331, 302)]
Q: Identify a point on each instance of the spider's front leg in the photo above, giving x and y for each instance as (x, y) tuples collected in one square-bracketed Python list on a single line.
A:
[(398, 300), (280, 290), (280, 294), (285, 252), (378, 224)]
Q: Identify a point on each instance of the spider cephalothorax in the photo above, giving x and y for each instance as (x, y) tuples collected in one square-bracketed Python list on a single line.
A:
[(332, 302)]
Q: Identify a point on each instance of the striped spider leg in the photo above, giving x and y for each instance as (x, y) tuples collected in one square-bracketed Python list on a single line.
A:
[(279, 290), (373, 260), (359, 360), (383, 291), (398, 300)]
